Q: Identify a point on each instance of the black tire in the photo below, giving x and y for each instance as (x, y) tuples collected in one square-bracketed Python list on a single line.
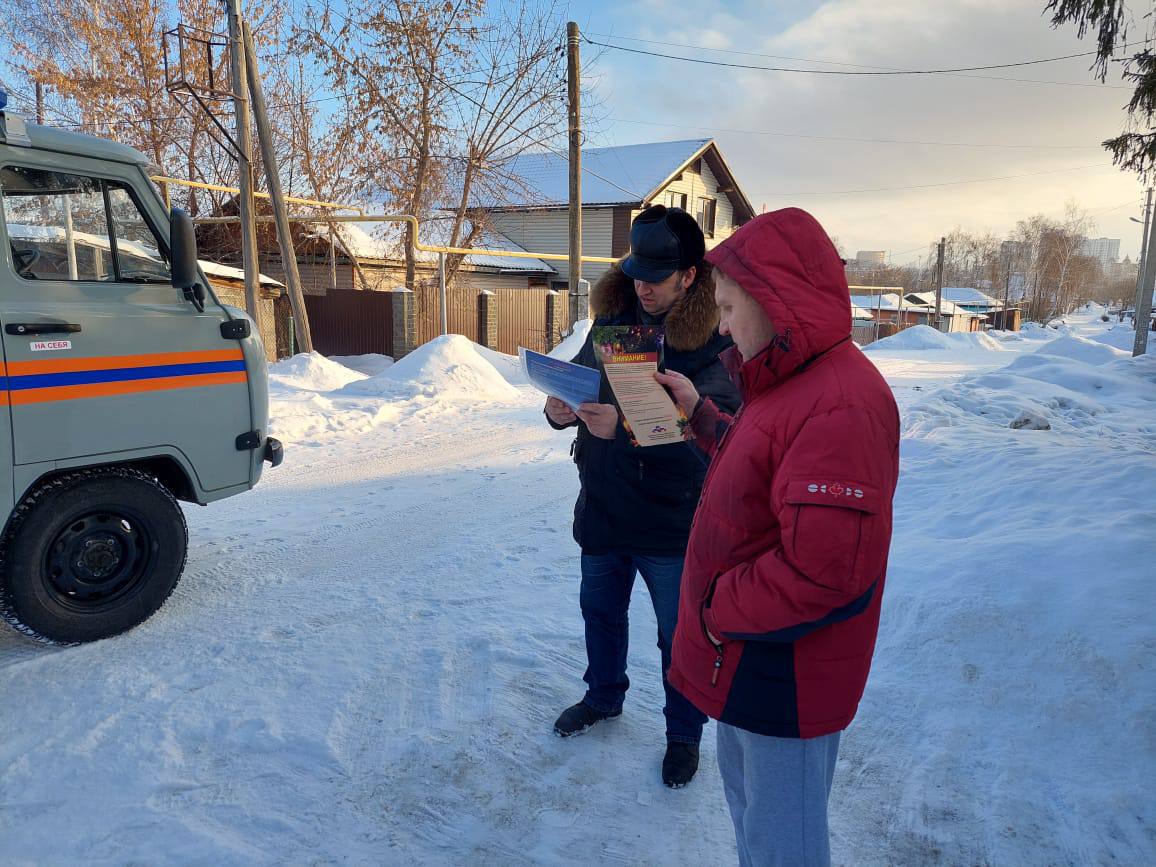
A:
[(91, 554)]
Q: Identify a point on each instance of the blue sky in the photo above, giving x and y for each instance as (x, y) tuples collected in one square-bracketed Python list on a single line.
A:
[(785, 135)]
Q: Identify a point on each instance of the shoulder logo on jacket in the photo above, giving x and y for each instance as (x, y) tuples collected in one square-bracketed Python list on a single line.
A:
[(835, 489)]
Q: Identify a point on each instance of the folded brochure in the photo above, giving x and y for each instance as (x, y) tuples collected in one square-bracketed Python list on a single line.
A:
[(571, 383)]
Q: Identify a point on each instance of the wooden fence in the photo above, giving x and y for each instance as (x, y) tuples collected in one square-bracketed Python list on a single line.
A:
[(356, 322)]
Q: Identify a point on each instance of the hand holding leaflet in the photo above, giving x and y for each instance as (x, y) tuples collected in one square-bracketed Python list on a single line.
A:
[(571, 383)]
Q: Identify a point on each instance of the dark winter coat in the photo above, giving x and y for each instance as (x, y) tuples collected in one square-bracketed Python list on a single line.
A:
[(636, 500), (788, 554)]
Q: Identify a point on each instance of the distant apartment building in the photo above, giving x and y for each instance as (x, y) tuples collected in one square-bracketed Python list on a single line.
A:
[(871, 258), (1107, 250)]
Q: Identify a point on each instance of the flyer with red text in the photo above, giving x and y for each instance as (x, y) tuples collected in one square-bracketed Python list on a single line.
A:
[(630, 355)]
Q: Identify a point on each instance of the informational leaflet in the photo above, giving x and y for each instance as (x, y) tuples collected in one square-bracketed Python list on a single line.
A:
[(630, 356), (571, 383)]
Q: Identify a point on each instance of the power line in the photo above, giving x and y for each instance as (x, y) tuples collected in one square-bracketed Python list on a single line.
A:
[(869, 72), (928, 186), (555, 151), (840, 62), (808, 136)]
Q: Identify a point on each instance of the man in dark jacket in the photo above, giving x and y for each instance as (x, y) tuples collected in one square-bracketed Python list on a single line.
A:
[(786, 564), (635, 505)]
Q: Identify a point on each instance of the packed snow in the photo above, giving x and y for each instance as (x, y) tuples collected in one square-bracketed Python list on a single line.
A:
[(311, 371), (926, 337), (448, 367), (366, 654)]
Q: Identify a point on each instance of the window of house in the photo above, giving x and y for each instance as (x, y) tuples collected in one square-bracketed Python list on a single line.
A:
[(72, 227), (676, 200), (706, 216)]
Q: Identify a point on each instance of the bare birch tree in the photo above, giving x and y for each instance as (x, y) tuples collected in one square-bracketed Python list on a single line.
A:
[(449, 94)]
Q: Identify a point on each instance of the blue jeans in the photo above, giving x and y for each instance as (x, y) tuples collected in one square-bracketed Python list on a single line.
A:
[(607, 580)]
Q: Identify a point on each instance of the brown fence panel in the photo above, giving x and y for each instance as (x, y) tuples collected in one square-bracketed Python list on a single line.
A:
[(351, 322), (521, 319), (462, 302)]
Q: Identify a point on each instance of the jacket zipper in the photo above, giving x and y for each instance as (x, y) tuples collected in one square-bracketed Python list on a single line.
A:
[(718, 661)]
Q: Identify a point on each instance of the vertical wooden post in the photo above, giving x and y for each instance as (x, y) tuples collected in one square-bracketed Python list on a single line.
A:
[(240, 88), (939, 287), (280, 215), (573, 97)]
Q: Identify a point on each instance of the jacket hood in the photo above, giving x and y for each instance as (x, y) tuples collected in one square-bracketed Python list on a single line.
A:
[(786, 262), (689, 325)]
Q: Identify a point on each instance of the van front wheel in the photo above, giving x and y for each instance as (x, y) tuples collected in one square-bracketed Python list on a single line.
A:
[(91, 554)]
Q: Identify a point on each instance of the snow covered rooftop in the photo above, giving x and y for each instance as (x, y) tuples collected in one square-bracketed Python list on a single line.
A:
[(385, 241), (968, 295), (213, 269), (610, 176), (871, 303), (948, 308)]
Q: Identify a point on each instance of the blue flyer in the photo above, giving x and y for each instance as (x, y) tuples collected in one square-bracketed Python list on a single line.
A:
[(571, 383)]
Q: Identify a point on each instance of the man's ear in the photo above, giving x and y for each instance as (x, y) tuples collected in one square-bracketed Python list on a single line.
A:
[(689, 276)]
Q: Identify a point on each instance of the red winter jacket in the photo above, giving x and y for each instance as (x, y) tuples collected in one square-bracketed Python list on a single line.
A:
[(788, 549)]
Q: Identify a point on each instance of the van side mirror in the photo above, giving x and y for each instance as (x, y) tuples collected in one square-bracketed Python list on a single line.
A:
[(183, 250)]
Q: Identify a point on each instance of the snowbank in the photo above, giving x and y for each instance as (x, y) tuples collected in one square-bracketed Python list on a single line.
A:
[(924, 337), (1113, 399), (509, 366), (569, 347), (312, 371), (448, 367), (1123, 337), (1081, 349)]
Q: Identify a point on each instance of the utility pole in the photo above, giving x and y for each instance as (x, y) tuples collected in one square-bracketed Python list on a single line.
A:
[(1006, 285), (1144, 296), (245, 202), (280, 215), (1143, 250), (573, 98), (939, 287)]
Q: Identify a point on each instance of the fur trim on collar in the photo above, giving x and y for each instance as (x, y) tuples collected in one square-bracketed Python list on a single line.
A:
[(689, 324)]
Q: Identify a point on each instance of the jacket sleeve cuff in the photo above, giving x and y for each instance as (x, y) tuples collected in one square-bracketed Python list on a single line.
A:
[(557, 426), (707, 424)]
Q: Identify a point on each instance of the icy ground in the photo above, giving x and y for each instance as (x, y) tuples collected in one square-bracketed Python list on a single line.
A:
[(365, 656)]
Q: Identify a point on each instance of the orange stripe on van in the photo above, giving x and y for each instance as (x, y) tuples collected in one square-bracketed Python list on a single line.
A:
[(111, 389), (119, 362)]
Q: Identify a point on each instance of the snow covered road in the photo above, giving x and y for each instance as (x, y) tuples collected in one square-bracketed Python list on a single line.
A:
[(364, 659)]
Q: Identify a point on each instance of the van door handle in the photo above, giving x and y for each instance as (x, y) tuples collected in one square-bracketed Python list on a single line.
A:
[(19, 328)]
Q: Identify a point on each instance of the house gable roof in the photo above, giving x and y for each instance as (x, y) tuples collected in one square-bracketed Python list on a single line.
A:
[(627, 175)]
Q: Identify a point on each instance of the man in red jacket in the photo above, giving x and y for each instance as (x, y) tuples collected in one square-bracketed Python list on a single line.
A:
[(785, 566)]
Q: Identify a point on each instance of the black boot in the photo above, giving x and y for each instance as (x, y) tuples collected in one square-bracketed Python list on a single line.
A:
[(680, 764), (580, 718)]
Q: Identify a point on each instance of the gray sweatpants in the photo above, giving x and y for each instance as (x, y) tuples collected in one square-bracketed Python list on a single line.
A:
[(777, 789)]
